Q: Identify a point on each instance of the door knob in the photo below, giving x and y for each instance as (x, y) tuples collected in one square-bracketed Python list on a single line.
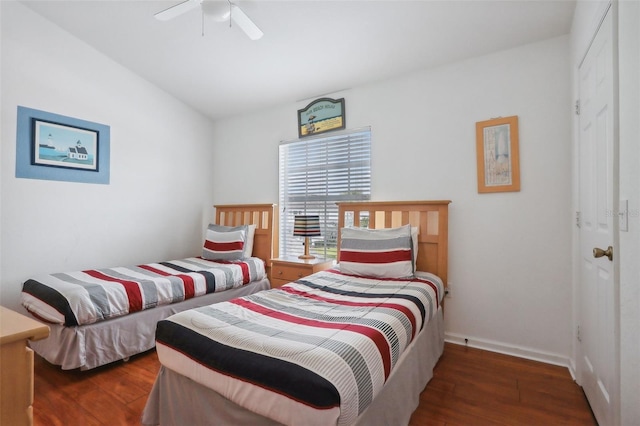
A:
[(598, 252)]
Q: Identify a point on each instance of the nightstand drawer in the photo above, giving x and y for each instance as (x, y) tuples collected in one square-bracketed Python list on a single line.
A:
[(289, 272), (287, 269)]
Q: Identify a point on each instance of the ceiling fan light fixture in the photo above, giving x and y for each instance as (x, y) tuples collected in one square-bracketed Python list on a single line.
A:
[(219, 11)]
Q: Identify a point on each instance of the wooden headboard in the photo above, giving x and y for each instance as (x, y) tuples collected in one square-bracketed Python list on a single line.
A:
[(264, 216), (431, 218)]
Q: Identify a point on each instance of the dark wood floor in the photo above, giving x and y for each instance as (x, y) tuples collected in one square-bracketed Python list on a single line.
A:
[(469, 387), (475, 387), (114, 394)]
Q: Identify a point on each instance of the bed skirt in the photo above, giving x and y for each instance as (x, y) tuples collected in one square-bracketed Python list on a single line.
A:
[(177, 400), (92, 345)]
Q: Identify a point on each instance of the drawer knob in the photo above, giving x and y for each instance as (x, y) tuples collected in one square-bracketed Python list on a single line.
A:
[(279, 272)]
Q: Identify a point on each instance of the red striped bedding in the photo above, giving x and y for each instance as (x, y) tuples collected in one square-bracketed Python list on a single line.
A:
[(90, 296), (316, 351)]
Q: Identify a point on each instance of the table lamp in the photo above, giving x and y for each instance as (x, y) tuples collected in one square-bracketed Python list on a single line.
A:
[(306, 226)]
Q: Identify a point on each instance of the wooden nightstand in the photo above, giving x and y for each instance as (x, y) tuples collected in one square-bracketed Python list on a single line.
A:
[(290, 268), (16, 379)]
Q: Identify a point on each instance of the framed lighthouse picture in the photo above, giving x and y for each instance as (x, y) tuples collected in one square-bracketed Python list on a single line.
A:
[(60, 145), (52, 146)]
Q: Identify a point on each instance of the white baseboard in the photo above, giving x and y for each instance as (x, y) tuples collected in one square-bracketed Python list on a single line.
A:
[(572, 370), (519, 351)]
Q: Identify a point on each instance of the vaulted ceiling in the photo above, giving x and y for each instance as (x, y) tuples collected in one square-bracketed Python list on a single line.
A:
[(309, 48)]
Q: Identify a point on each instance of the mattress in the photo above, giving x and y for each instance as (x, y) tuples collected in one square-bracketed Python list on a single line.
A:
[(316, 351)]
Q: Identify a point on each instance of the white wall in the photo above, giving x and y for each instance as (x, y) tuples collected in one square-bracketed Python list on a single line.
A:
[(629, 60), (509, 254), (161, 182)]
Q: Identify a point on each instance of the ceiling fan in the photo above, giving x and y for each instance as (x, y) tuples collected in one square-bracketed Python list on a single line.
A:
[(220, 10)]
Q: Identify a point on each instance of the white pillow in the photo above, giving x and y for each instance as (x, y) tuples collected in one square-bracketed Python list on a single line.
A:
[(248, 244), (414, 240)]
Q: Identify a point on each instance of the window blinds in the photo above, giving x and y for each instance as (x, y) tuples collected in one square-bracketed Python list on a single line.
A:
[(315, 173)]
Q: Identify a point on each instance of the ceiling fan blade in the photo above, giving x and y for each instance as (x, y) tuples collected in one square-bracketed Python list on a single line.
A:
[(177, 10), (245, 23)]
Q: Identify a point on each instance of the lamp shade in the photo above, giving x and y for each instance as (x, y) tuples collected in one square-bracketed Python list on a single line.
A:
[(306, 226)]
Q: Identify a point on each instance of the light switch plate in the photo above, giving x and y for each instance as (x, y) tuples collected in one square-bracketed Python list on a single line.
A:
[(623, 214)]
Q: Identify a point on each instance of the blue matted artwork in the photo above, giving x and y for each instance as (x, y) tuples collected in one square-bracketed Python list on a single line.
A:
[(56, 147)]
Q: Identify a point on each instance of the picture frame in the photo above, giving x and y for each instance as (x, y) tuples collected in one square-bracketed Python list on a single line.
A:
[(497, 150), (321, 115), (33, 127), (63, 145)]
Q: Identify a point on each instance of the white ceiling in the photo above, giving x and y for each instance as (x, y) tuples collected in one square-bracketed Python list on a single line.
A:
[(310, 48)]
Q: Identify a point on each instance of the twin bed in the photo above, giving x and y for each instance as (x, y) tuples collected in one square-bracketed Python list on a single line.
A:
[(352, 345), (337, 347), (104, 315)]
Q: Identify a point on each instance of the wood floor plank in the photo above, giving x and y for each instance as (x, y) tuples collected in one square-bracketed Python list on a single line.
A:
[(52, 407), (469, 387), (121, 388)]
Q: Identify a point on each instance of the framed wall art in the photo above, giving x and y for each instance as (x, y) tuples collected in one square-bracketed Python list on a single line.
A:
[(61, 145), (51, 146), (497, 155), (321, 115)]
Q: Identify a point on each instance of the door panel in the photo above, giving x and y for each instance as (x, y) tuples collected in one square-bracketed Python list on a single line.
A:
[(597, 191)]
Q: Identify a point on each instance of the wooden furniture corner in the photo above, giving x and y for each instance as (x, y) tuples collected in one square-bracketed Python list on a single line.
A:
[(16, 366)]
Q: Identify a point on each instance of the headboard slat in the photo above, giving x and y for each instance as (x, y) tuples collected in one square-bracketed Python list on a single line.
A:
[(431, 218)]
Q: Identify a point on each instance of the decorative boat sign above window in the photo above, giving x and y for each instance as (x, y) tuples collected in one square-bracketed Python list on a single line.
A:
[(321, 115)]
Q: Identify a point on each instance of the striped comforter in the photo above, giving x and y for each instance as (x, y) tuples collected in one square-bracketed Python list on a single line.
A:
[(316, 351), (86, 297)]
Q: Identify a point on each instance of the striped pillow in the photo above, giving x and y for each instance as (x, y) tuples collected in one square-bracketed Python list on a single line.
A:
[(385, 253), (224, 242)]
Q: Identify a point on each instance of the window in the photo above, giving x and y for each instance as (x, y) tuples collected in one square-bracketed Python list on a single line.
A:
[(315, 173)]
